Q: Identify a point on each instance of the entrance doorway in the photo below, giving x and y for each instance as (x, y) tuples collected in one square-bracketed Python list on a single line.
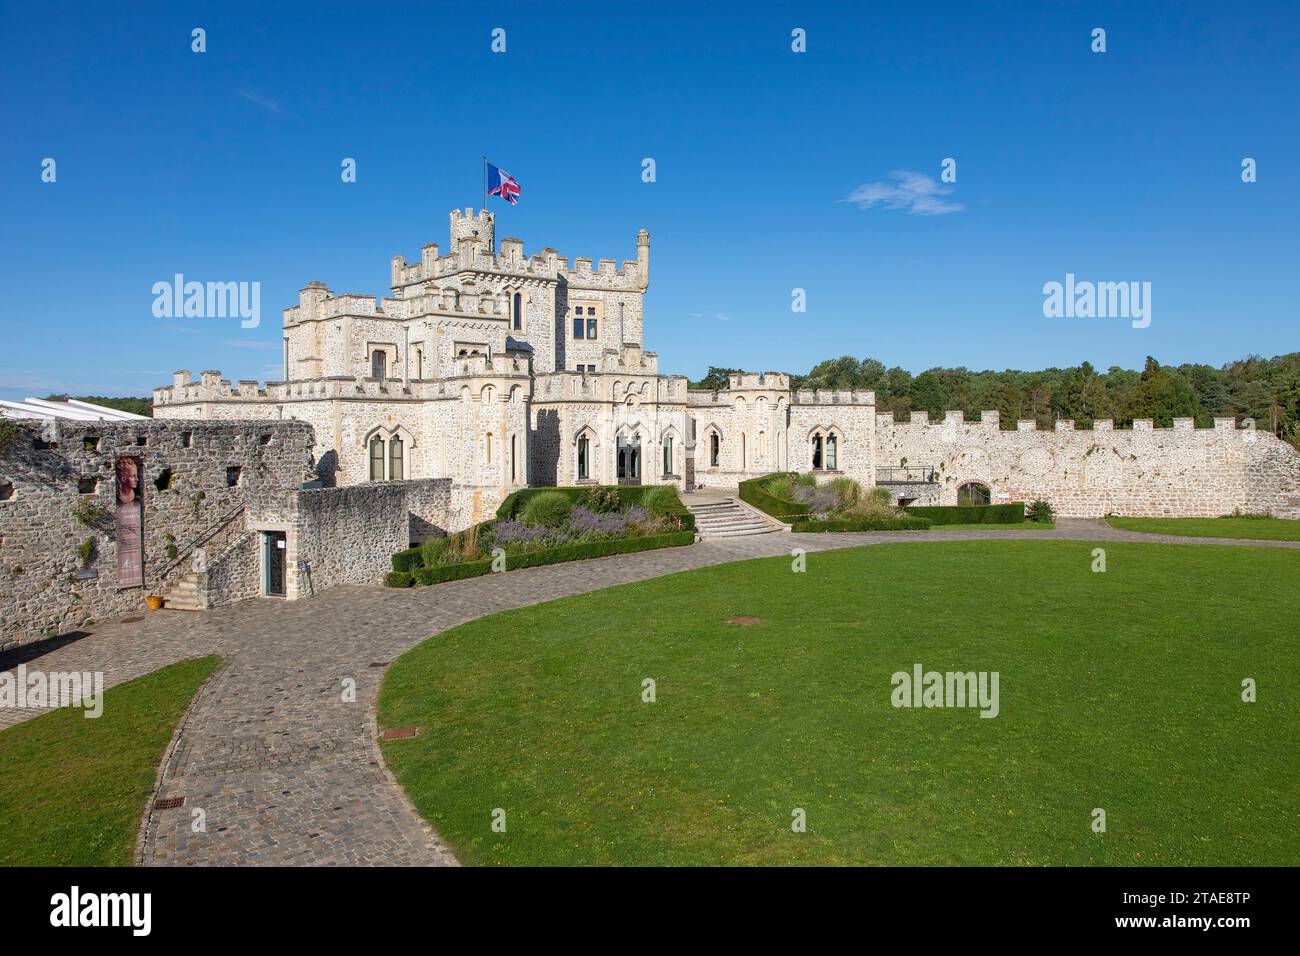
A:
[(629, 461), (275, 548)]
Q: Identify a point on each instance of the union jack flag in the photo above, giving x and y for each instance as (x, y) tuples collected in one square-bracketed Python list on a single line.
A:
[(501, 183)]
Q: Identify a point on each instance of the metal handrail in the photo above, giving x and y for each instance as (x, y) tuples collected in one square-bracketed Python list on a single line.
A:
[(911, 474), (199, 542)]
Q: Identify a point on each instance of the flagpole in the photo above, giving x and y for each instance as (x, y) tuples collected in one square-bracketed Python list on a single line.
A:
[(485, 182)]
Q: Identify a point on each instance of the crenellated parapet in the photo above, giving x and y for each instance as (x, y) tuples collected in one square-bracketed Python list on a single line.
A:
[(832, 396), (991, 420), (473, 250)]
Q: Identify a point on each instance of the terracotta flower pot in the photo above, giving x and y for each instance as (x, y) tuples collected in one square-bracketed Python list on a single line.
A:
[(155, 601)]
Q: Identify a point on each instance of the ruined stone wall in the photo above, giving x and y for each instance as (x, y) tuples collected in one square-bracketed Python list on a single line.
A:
[(1142, 471), (55, 471)]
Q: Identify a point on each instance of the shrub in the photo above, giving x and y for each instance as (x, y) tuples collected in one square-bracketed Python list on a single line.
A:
[(408, 560), (755, 491), (432, 551), (847, 493), (659, 500), (584, 521), (808, 480), (399, 579), (1040, 510), (1011, 513), (781, 486), (601, 500), (550, 510), (881, 496)]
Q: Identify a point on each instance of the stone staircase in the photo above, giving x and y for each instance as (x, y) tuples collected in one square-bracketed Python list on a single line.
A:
[(184, 594), (726, 517)]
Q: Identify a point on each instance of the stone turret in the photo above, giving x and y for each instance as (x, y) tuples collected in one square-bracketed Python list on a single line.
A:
[(468, 226)]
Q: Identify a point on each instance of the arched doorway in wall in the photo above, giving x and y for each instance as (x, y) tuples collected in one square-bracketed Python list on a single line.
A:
[(973, 493)]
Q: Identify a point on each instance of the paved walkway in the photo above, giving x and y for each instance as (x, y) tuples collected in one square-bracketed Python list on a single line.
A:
[(285, 768)]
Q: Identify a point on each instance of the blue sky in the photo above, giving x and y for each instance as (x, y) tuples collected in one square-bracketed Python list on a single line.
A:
[(225, 166)]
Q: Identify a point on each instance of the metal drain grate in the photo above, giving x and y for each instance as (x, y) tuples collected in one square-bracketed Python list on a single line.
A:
[(168, 803), (399, 733)]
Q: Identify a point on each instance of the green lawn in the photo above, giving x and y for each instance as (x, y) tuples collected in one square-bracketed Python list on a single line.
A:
[(1118, 690), (73, 789), (1254, 529)]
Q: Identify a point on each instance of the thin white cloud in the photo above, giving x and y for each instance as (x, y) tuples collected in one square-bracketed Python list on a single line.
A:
[(265, 102), (916, 193)]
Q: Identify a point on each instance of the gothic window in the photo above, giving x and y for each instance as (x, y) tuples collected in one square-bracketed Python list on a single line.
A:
[(378, 364), (376, 459), (715, 447), (817, 452), (831, 446), (668, 455), (518, 319), (395, 459), (584, 458)]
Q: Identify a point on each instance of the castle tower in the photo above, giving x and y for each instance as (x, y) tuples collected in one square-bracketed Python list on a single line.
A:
[(466, 226)]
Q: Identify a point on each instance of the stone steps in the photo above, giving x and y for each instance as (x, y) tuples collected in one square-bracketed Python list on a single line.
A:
[(727, 518), (184, 594)]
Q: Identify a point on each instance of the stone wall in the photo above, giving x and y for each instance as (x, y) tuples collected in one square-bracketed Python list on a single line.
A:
[(192, 476), (1142, 471)]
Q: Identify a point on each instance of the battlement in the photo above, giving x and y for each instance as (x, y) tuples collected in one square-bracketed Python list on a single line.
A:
[(832, 396), (778, 381), (473, 249), (992, 421), (318, 303)]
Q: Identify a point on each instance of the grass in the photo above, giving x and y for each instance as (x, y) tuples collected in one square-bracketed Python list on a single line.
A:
[(987, 526), (72, 789), (1252, 529), (1119, 690)]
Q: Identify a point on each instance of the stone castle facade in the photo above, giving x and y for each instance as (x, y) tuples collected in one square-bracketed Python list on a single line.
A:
[(496, 370)]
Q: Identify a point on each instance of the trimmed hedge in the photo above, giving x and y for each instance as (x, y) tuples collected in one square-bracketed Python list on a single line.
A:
[(571, 552), (628, 495), (754, 492), (1012, 513), (907, 523)]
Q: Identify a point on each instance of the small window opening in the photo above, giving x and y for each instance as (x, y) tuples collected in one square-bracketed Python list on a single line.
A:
[(234, 476)]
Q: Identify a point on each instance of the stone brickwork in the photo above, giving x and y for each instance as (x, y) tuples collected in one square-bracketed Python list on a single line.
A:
[(1142, 471), (63, 469)]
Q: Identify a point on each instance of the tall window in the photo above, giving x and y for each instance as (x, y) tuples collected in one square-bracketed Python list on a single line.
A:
[(584, 458), (378, 364), (394, 459), (579, 325), (419, 363), (668, 455), (514, 439), (376, 459), (817, 452), (488, 445), (744, 451), (518, 302), (831, 445), (591, 325), (715, 444)]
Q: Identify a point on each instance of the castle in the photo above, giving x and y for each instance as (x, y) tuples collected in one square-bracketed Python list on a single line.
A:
[(498, 370)]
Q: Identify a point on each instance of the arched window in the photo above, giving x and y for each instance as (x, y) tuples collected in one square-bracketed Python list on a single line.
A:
[(973, 493), (514, 441), (395, 459), (518, 316), (832, 446), (715, 446), (378, 364), (376, 459), (668, 455), (584, 458), (817, 452)]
